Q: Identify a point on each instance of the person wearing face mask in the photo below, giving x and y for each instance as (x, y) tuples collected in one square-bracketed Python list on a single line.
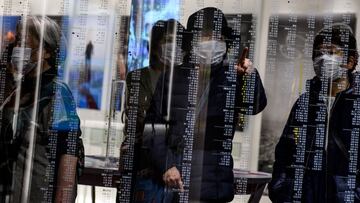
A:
[(147, 158), (211, 52), (40, 129), (211, 67), (314, 158)]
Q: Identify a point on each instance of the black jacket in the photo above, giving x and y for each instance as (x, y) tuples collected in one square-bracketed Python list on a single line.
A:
[(215, 121), (312, 165), (57, 132)]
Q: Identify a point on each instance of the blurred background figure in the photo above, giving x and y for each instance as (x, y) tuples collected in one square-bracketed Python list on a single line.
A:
[(89, 51), (85, 84)]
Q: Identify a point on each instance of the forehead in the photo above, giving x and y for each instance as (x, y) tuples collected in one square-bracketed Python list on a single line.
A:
[(329, 46), (209, 35)]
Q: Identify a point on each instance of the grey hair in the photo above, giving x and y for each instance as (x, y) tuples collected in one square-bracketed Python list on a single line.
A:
[(52, 36)]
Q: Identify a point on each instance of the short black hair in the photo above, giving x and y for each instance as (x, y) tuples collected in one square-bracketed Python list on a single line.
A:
[(338, 34)]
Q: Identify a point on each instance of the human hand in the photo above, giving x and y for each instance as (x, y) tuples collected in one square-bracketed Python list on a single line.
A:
[(172, 178), (244, 65)]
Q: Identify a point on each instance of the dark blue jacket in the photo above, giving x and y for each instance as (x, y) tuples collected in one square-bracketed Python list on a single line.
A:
[(212, 164), (312, 165)]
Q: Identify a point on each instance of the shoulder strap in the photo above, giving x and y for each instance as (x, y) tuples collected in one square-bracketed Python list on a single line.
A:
[(341, 146)]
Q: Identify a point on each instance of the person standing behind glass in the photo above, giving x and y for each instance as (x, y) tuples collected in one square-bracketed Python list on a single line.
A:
[(148, 157), (313, 155), (39, 119), (209, 50)]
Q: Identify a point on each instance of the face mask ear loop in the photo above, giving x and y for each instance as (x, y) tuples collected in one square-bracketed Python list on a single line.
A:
[(31, 67)]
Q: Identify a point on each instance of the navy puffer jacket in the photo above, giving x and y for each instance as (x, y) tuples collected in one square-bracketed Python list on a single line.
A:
[(305, 168), (211, 171)]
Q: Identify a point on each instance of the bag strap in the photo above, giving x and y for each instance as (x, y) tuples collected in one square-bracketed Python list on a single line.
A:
[(341, 146)]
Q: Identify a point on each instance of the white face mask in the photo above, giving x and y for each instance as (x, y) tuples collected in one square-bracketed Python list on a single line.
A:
[(328, 67), (20, 60), (211, 52), (168, 54)]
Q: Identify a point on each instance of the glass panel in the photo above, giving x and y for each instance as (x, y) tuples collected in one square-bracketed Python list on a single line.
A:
[(179, 101)]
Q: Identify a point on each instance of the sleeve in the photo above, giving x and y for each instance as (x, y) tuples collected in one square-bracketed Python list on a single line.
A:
[(250, 94), (175, 145), (127, 145), (286, 147), (169, 151), (134, 108), (134, 111), (280, 187), (65, 122), (124, 116)]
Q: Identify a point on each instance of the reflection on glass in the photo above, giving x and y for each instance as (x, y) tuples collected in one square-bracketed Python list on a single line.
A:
[(192, 107), (41, 148), (316, 157), (167, 97)]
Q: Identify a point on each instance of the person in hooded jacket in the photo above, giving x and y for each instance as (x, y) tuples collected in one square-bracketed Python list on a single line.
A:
[(316, 158), (201, 124)]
